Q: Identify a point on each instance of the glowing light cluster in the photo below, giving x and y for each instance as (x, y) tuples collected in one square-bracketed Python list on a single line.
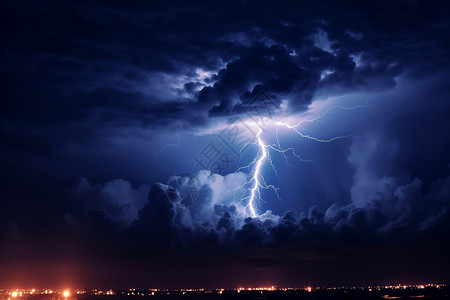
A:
[(264, 288)]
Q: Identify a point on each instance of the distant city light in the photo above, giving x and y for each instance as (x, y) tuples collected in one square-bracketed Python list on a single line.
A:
[(408, 290)]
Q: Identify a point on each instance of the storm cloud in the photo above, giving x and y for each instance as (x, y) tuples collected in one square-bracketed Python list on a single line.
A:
[(103, 103), (148, 69), (202, 211)]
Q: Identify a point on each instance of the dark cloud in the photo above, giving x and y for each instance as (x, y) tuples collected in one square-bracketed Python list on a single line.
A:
[(102, 64), (116, 201), (171, 217)]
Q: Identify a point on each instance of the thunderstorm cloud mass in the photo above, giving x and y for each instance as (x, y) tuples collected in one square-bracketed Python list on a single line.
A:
[(219, 143)]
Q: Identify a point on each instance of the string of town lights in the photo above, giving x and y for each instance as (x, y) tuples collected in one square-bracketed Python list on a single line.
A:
[(415, 290), (24, 293)]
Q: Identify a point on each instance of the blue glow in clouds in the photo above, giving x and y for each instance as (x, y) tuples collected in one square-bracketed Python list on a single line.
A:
[(257, 181)]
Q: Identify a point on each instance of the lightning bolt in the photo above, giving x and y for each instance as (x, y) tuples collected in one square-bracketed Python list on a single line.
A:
[(255, 192), (256, 180), (170, 145)]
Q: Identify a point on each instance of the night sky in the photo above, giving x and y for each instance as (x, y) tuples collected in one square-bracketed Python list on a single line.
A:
[(126, 127)]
